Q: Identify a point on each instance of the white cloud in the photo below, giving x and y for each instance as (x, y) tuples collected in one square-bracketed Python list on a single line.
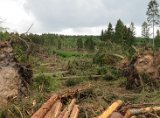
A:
[(82, 31), (14, 15), (91, 31), (70, 16)]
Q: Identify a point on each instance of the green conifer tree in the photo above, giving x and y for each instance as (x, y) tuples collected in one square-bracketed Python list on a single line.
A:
[(153, 16)]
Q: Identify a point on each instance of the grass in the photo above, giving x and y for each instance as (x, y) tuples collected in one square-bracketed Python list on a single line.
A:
[(43, 85), (67, 54), (104, 92), (46, 83)]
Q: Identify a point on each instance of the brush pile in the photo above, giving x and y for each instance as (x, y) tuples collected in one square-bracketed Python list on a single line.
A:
[(14, 77)]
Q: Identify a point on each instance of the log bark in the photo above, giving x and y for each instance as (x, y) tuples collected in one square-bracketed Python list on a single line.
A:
[(132, 112), (57, 110), (54, 111), (62, 113), (111, 109), (69, 109), (66, 114), (45, 107), (75, 112)]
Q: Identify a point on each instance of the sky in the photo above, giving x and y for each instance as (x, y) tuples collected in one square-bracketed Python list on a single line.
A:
[(70, 17)]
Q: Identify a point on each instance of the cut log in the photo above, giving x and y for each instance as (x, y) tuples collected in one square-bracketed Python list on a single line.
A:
[(75, 112), (116, 115), (45, 107), (71, 105), (54, 111), (138, 106), (132, 112), (69, 109), (66, 114), (57, 110), (134, 117), (111, 109), (62, 113)]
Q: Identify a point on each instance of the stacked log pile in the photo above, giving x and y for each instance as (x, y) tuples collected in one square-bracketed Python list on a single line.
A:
[(53, 109)]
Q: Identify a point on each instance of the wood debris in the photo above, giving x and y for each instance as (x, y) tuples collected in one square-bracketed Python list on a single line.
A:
[(53, 109), (116, 110), (111, 109)]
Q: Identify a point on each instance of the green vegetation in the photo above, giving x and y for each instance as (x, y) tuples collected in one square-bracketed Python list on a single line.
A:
[(54, 57), (153, 16), (45, 83)]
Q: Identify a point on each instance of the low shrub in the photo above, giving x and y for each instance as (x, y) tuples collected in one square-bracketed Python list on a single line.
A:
[(45, 83)]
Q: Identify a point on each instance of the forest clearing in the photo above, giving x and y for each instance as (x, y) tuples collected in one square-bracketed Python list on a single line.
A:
[(91, 79), (112, 75)]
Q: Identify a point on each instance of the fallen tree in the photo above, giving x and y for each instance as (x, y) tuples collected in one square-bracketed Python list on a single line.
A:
[(14, 76), (143, 70)]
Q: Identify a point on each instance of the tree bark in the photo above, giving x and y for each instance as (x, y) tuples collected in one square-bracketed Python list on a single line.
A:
[(45, 107), (111, 109), (132, 112)]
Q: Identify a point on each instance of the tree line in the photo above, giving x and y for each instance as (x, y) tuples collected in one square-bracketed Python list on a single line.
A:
[(121, 34)]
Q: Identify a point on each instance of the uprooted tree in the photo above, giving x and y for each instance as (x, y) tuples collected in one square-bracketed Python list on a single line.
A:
[(143, 70), (14, 76)]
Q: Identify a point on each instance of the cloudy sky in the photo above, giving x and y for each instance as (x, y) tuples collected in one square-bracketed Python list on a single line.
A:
[(70, 16)]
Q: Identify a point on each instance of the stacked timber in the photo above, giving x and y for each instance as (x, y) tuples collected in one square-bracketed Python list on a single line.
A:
[(53, 108)]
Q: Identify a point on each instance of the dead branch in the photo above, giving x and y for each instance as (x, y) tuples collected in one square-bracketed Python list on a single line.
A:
[(29, 28)]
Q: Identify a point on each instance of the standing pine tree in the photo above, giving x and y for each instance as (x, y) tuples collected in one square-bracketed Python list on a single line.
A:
[(131, 33), (89, 44), (153, 16), (145, 31), (157, 39), (59, 44), (102, 37), (132, 29), (79, 44), (128, 36), (119, 32), (109, 33)]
